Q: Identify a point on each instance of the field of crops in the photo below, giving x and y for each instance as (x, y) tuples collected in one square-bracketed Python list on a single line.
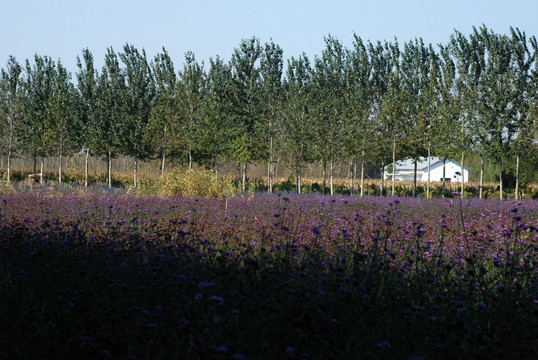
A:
[(267, 277)]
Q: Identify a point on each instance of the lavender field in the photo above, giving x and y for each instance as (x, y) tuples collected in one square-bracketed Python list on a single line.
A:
[(267, 277)]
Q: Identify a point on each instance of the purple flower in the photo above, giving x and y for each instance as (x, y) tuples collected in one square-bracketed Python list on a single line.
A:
[(205, 285), (217, 299), (383, 345)]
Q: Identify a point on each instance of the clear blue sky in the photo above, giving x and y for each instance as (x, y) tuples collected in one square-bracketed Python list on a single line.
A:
[(62, 28)]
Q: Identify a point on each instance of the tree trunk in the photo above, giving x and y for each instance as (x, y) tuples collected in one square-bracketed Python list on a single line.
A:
[(60, 153), (135, 173), (462, 156), (35, 162), (501, 178), (163, 162), (163, 159), (393, 166), (243, 175), (444, 176), (60, 169), (382, 178), (351, 177), (324, 176), (270, 167), (429, 167), (109, 168), (298, 176), (362, 174), (42, 167), (9, 151), (215, 172), (415, 180), (481, 177), (462, 174), (190, 157), (86, 161), (517, 177), (331, 169)]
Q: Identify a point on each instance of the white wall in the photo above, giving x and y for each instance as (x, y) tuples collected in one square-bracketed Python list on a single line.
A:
[(436, 174)]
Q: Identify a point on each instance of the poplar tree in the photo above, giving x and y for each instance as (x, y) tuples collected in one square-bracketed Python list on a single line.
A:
[(62, 113), (109, 111), (469, 70), (361, 106), (496, 93), (380, 148), (446, 123), (11, 108), (524, 89), (36, 128), (415, 73), (192, 90), (395, 108), (271, 65), (297, 121), (245, 104), (330, 92), (87, 82), (164, 117), (213, 134), (138, 95)]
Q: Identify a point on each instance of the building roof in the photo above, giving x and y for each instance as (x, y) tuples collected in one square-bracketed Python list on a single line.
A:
[(422, 163)]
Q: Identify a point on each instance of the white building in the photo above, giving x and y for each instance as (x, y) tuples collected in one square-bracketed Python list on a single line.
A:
[(405, 170)]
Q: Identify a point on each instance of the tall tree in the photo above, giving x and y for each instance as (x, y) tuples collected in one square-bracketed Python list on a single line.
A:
[(330, 90), (138, 96), (395, 109), (11, 108), (415, 73), (469, 69), (109, 111), (446, 122), (496, 91), (192, 87), (246, 104), (62, 114), (271, 65), (213, 133), (87, 81), (380, 148), (431, 109), (361, 107), (524, 89), (297, 117), (36, 132), (165, 110)]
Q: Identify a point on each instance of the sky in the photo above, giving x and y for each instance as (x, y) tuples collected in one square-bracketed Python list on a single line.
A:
[(61, 29)]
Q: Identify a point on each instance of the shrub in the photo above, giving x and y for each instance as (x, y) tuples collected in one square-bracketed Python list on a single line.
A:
[(189, 182)]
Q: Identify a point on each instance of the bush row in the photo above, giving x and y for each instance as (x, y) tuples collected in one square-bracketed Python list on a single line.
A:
[(200, 182)]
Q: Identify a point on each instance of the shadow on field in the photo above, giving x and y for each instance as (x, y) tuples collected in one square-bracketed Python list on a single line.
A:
[(64, 296)]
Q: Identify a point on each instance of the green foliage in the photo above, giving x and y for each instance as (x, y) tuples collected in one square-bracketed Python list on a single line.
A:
[(474, 97)]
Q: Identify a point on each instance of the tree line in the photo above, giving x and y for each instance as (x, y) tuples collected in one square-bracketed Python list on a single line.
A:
[(371, 103)]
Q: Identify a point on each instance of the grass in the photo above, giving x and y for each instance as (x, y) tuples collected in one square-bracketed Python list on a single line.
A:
[(299, 277)]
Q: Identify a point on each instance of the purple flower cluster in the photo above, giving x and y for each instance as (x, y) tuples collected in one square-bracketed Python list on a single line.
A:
[(292, 275)]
